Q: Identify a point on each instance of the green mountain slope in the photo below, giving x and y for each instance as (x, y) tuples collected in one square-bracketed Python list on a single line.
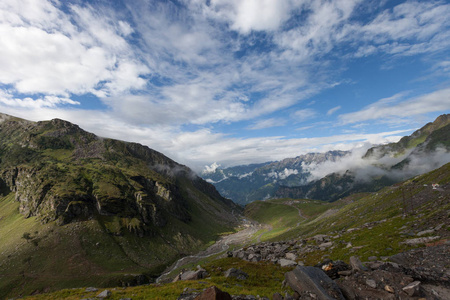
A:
[(431, 136), (399, 218), (77, 209), (363, 224)]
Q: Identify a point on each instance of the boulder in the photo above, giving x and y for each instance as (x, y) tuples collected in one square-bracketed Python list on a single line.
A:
[(313, 280), (372, 283), (239, 274), (213, 293), (326, 245), (422, 240), (334, 268), (291, 256), (412, 289), (287, 263), (104, 294), (192, 275), (425, 232), (320, 238), (356, 264)]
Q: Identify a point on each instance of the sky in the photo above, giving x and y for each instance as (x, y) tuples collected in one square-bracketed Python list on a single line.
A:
[(229, 82)]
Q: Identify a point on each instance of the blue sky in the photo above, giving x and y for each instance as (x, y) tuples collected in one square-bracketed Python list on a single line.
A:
[(229, 82)]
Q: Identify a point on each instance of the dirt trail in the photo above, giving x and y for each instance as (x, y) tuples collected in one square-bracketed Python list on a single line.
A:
[(291, 204), (238, 238), (267, 229)]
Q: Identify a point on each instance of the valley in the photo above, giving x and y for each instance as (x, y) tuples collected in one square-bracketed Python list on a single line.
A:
[(375, 227), (81, 214)]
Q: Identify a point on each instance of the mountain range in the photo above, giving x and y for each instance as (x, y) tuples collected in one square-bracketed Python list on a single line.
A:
[(336, 174), (78, 210)]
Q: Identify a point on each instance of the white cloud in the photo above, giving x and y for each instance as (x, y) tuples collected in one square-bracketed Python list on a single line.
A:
[(212, 168), (282, 174), (30, 103), (45, 51), (321, 30), (333, 110), (397, 107), (267, 123), (245, 175), (304, 114), (366, 169), (247, 15)]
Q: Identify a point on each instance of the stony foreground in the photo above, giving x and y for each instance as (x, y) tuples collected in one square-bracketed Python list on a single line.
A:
[(422, 273)]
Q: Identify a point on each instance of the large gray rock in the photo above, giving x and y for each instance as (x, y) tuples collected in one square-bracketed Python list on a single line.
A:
[(213, 293), (287, 263), (313, 280), (104, 294), (412, 289), (239, 274), (192, 275), (356, 264), (422, 240), (291, 256)]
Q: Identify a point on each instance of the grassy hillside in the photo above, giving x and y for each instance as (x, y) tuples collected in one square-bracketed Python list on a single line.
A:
[(78, 210), (375, 224), (45, 257), (371, 224)]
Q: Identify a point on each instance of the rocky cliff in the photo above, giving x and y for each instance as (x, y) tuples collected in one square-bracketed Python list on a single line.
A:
[(76, 209), (62, 173)]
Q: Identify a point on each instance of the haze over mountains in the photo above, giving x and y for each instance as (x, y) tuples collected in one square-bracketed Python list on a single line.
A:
[(335, 174)]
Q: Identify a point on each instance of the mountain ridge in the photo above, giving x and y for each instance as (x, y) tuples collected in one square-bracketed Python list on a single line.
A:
[(244, 184), (101, 196), (425, 149), (314, 176)]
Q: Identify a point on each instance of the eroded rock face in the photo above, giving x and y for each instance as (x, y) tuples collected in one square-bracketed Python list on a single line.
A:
[(62, 173)]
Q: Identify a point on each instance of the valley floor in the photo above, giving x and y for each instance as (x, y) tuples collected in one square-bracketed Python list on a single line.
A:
[(242, 237)]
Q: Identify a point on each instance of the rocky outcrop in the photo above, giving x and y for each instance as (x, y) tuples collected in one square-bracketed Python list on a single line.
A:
[(419, 273), (285, 253), (62, 173), (310, 281), (214, 293), (200, 273), (236, 273)]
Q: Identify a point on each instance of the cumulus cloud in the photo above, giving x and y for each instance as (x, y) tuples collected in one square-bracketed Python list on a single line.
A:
[(283, 174), (212, 168), (247, 15), (46, 51), (33, 103)]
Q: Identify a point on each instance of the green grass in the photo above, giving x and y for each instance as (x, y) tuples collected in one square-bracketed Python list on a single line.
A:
[(263, 280), (334, 219), (279, 216), (89, 252)]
